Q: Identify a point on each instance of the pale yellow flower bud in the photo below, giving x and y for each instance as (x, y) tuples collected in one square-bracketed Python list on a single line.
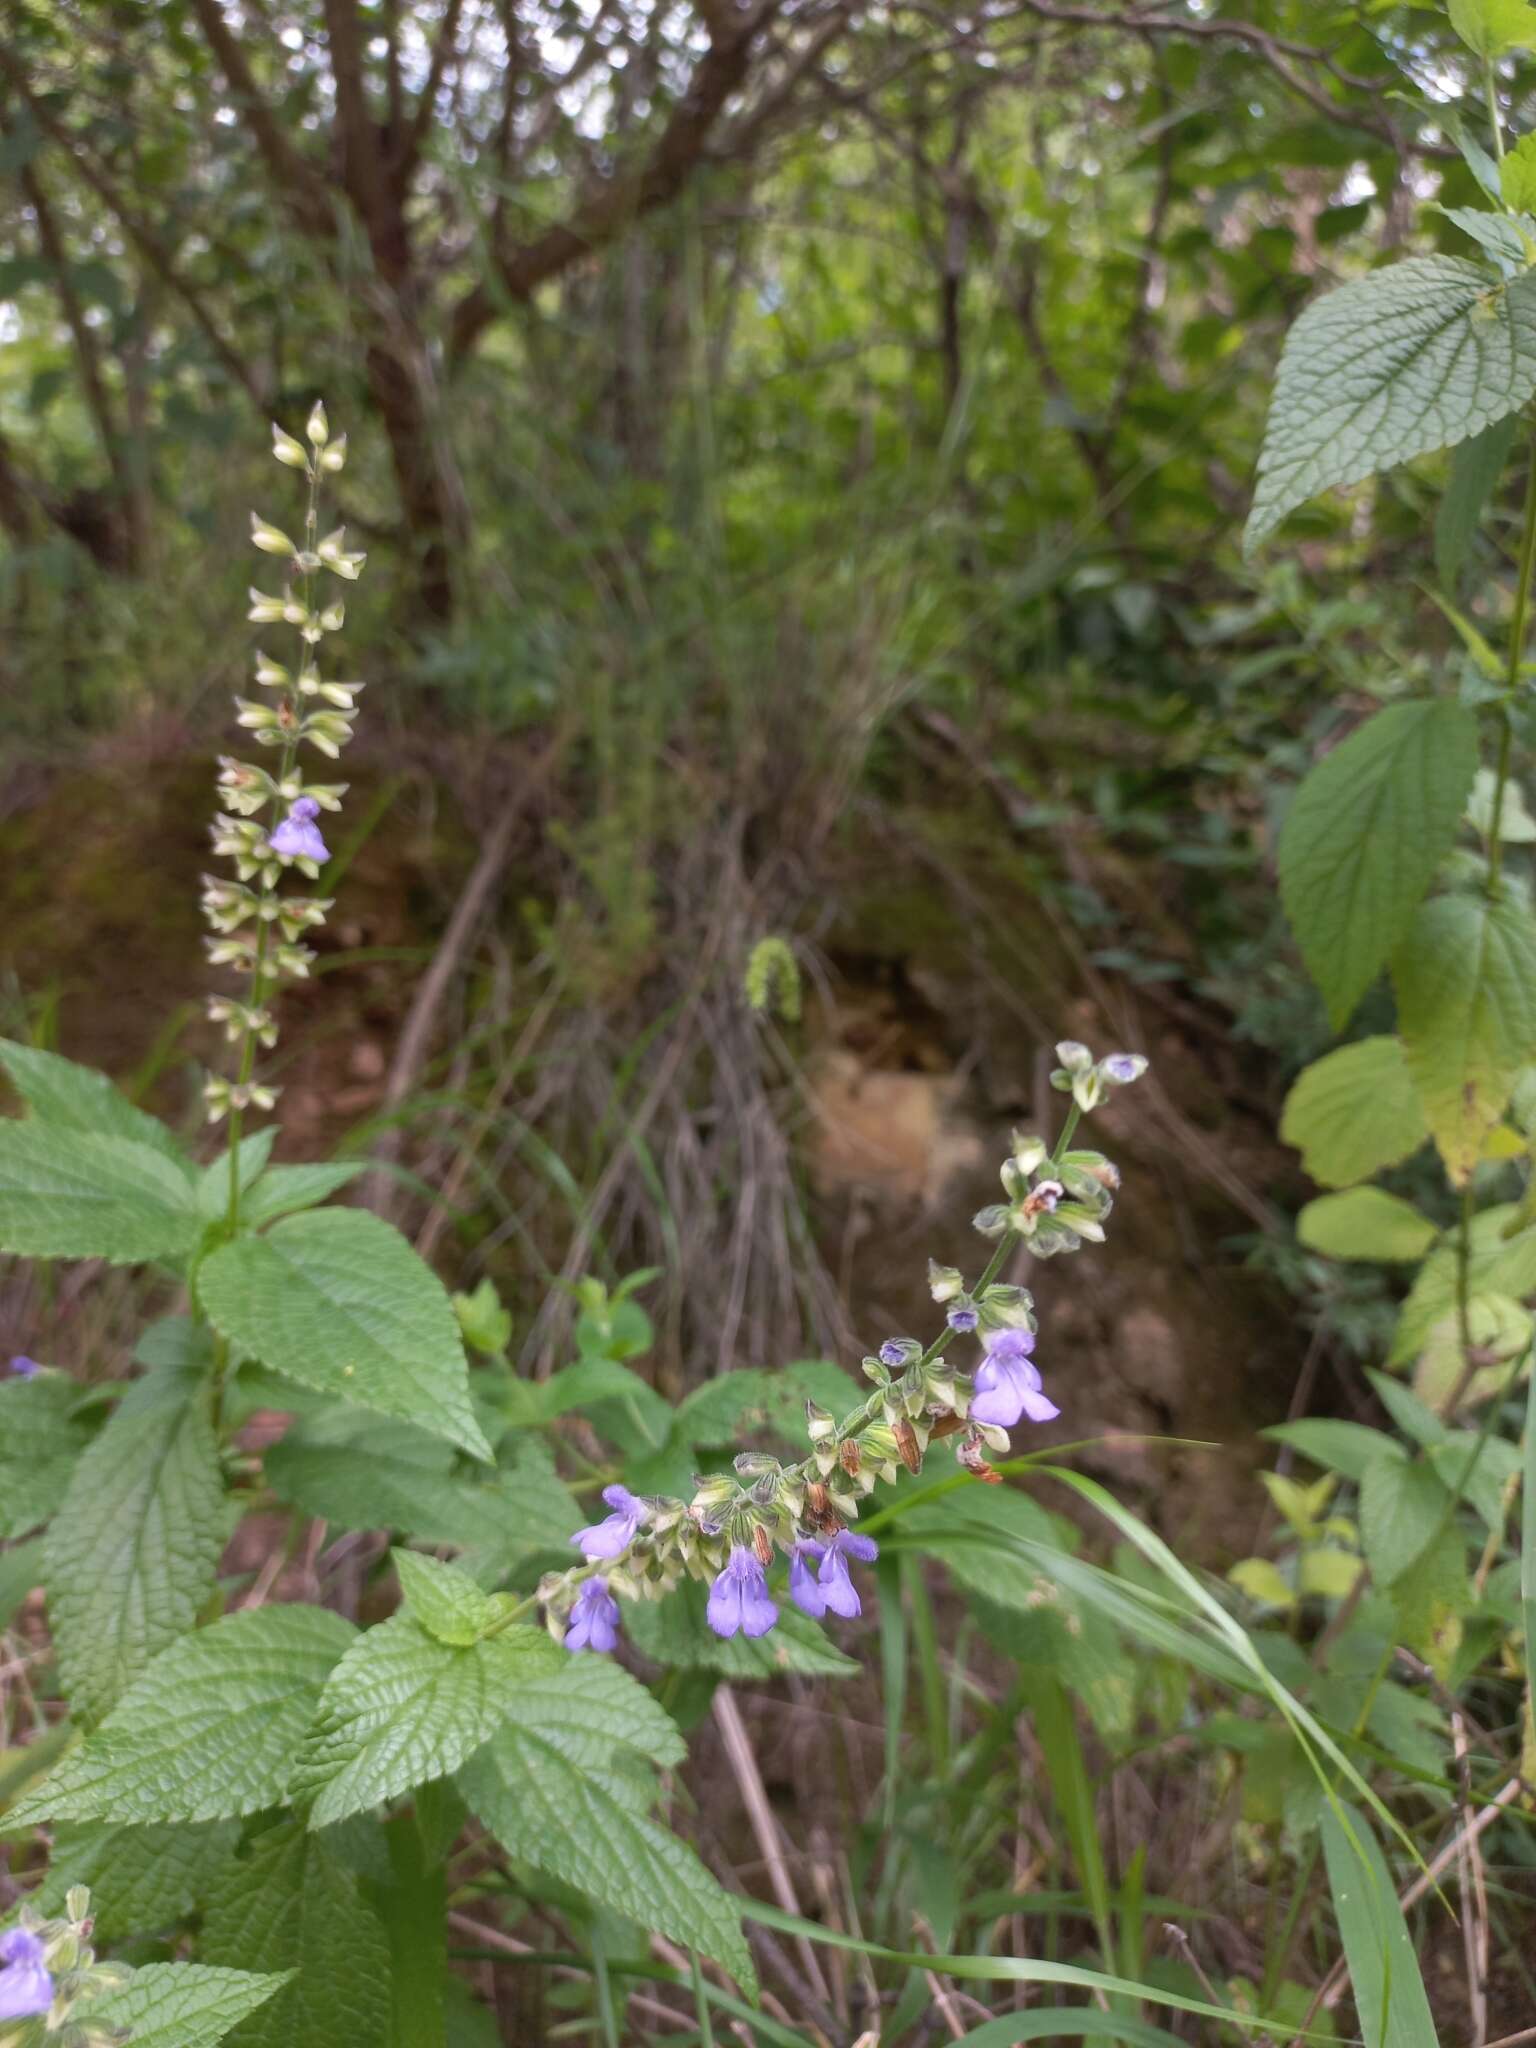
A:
[(288, 451)]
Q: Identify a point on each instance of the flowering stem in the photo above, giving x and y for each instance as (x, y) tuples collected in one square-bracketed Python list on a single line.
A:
[(247, 1061)]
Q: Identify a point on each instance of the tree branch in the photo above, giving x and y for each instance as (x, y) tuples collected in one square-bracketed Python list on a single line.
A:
[(677, 154), (293, 176)]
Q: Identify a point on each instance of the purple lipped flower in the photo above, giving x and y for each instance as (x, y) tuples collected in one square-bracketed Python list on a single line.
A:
[(594, 1623), (24, 1368), (892, 1351), (963, 1318), (803, 1589), (1124, 1066), (298, 836), (738, 1600), (614, 1534), (838, 1592), (1007, 1385), (26, 1989)]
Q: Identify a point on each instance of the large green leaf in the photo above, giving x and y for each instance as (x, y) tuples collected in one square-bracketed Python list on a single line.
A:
[(142, 1879), (546, 1810), (283, 1189), (1401, 1506), (339, 1301), (1383, 1967), (1353, 1112), (1465, 977), (210, 1731), (67, 1194), (1491, 28), (290, 1905), (132, 1553), (1475, 471), (402, 1708), (76, 1098), (363, 1471), (184, 2005), (1414, 357), (1365, 1223), (1364, 835), (592, 1707), (40, 1439)]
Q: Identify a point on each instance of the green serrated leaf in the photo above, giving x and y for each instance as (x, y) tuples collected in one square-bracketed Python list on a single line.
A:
[(184, 2005), (674, 1632), (40, 1439), (1491, 28), (402, 1709), (1476, 467), (210, 1731), (67, 1194), (133, 1551), (292, 1906), (1411, 358), (1508, 239), (1365, 1223), (141, 1879), (76, 1098), (545, 1810), (443, 1600), (283, 1189), (593, 1707), (1465, 976), (339, 1301), (1354, 1112), (1401, 1503), (1364, 835)]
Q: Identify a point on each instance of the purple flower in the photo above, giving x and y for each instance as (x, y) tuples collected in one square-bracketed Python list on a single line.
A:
[(23, 1368), (1007, 1385), (738, 1600), (964, 1318), (838, 1591), (26, 1989), (298, 836), (1124, 1066), (612, 1536), (892, 1351), (832, 1590), (803, 1589), (594, 1623)]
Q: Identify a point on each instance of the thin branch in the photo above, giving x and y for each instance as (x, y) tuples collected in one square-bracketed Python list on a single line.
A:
[(294, 177)]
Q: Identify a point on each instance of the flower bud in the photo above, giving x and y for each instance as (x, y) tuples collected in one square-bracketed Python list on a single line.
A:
[(820, 1423), (288, 451), (270, 539), (1076, 1058), (944, 1282), (318, 427), (1029, 1152), (991, 1221), (336, 454), (269, 672)]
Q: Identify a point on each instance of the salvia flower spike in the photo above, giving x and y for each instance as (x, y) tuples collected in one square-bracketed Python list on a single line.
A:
[(268, 820), (738, 1522)]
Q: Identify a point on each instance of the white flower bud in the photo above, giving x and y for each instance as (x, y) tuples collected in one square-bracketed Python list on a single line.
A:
[(266, 611), (288, 451), (270, 672), (318, 429), (333, 616), (335, 456), (270, 539)]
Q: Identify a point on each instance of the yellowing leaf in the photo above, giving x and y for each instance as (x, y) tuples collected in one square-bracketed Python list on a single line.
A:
[(1261, 1581), (1465, 976), (1365, 1223)]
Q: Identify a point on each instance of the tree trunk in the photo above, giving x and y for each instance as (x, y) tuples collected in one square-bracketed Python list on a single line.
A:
[(428, 501)]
